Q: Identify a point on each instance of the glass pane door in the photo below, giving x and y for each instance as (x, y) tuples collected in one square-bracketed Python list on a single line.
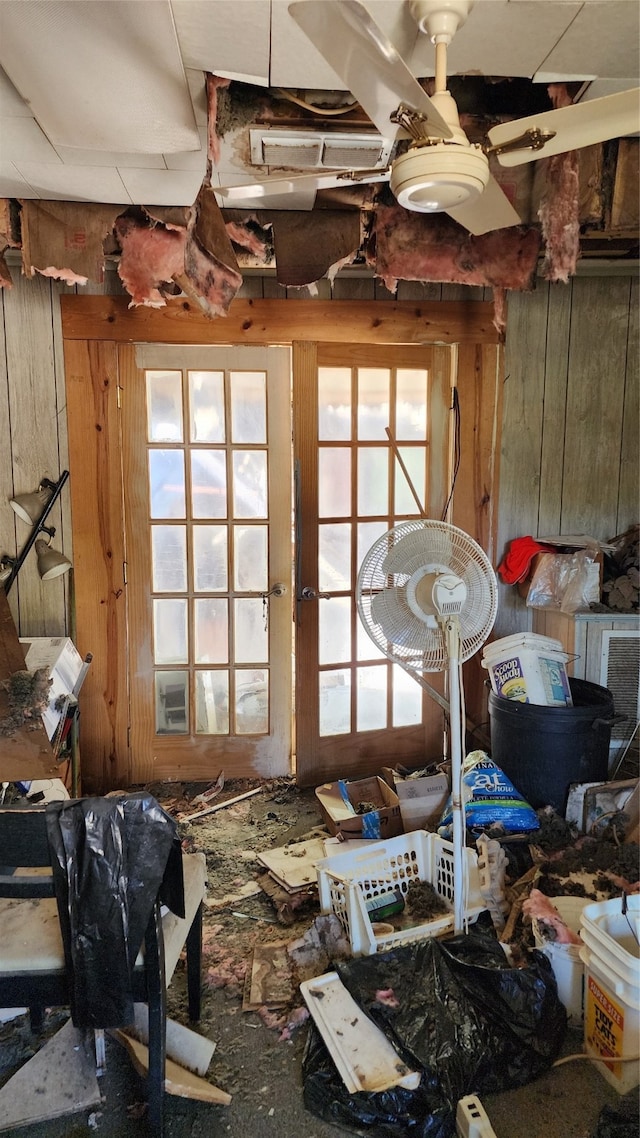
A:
[(207, 445), (360, 709)]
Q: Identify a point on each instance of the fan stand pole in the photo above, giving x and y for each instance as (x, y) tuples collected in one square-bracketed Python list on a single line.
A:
[(455, 734)]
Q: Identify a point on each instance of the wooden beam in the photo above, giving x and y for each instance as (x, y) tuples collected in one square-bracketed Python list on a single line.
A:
[(274, 322)]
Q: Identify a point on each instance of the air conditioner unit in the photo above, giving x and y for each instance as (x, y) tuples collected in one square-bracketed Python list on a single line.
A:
[(620, 673)]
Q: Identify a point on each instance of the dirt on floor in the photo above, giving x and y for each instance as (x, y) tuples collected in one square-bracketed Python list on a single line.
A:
[(259, 1046)]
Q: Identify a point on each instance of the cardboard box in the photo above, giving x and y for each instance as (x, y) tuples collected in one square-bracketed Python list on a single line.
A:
[(60, 655), (339, 802), (422, 799)]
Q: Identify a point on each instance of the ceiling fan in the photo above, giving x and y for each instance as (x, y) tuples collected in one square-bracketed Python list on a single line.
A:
[(440, 171)]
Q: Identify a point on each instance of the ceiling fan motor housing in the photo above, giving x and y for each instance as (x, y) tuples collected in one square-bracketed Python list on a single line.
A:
[(439, 176)]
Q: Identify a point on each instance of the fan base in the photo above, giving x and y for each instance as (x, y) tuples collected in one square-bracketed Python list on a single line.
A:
[(439, 177)]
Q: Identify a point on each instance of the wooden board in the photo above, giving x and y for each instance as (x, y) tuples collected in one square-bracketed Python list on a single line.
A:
[(271, 322), (270, 980), (178, 1081)]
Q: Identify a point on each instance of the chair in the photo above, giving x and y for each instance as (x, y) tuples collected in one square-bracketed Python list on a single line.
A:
[(34, 969)]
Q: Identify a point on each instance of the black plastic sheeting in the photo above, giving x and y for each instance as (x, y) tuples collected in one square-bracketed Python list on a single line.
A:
[(468, 1021), (112, 857), (621, 1120)]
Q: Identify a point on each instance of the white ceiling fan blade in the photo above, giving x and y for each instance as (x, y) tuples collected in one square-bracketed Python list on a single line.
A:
[(290, 183), (582, 124), (492, 210), (104, 77), (367, 61)]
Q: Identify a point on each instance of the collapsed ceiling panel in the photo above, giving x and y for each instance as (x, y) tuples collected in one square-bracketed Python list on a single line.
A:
[(601, 41)]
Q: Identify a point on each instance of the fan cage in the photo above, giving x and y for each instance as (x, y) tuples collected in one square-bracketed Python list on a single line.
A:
[(410, 548)]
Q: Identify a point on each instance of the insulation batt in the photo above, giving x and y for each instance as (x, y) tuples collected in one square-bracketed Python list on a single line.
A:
[(539, 908), (213, 138), (150, 257), (559, 210), (419, 247)]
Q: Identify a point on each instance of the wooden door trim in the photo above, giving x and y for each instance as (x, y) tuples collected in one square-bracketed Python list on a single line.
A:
[(280, 322), (92, 328)]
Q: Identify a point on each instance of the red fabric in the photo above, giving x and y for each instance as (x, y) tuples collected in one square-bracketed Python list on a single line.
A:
[(515, 565)]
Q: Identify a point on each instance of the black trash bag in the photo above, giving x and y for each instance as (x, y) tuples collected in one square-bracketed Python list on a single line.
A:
[(110, 859), (621, 1120), (468, 1021)]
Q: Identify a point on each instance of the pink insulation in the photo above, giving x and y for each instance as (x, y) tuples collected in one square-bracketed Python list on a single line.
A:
[(559, 210), (420, 247), (150, 256)]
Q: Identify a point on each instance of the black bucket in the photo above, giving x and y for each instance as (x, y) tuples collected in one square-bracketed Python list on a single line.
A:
[(545, 749)]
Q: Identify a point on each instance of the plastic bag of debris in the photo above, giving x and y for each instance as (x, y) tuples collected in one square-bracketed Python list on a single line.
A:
[(111, 858), (464, 1017)]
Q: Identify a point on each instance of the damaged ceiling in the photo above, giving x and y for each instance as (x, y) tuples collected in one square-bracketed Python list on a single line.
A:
[(104, 100), (119, 121)]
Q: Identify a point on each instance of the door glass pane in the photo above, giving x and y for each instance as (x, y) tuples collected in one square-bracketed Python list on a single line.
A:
[(208, 484), (170, 631), (373, 402), (206, 406), (168, 559), (334, 403), (334, 630), (172, 703), (209, 558), (334, 482), (250, 558), (249, 484), (251, 643), (212, 703), (335, 702), (366, 648), (166, 484), (407, 698), (411, 404), (164, 406), (252, 702), (248, 407), (371, 699), (368, 533), (211, 630), (373, 480), (414, 459), (334, 557)]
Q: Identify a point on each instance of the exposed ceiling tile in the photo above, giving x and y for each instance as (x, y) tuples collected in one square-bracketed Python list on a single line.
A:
[(227, 38), (602, 41), (12, 184), (161, 187), (501, 38), (193, 159), (198, 92), (10, 101), (72, 156), (95, 77), (74, 183), (301, 199), (21, 140)]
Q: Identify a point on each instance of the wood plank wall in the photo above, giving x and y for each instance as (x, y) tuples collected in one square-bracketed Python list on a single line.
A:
[(569, 455)]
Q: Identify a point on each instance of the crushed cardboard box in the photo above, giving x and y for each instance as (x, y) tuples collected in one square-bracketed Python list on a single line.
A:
[(341, 801)]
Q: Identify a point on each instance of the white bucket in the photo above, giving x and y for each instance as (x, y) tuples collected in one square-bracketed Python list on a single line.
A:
[(567, 966), (529, 668), (612, 990)]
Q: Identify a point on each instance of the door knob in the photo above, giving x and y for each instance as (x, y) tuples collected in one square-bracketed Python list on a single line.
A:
[(310, 594)]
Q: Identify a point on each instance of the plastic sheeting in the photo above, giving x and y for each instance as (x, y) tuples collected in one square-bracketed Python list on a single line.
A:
[(471, 1023), (112, 857)]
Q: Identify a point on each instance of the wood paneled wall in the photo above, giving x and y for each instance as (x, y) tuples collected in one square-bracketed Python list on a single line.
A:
[(569, 454)]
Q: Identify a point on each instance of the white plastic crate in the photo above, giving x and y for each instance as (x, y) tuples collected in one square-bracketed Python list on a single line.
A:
[(347, 881)]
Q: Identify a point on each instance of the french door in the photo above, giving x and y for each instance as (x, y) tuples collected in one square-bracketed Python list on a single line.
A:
[(361, 415), (206, 445), (229, 553)]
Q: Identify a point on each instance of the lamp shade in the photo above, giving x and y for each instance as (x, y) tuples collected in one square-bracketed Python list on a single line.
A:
[(50, 562), (29, 507)]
